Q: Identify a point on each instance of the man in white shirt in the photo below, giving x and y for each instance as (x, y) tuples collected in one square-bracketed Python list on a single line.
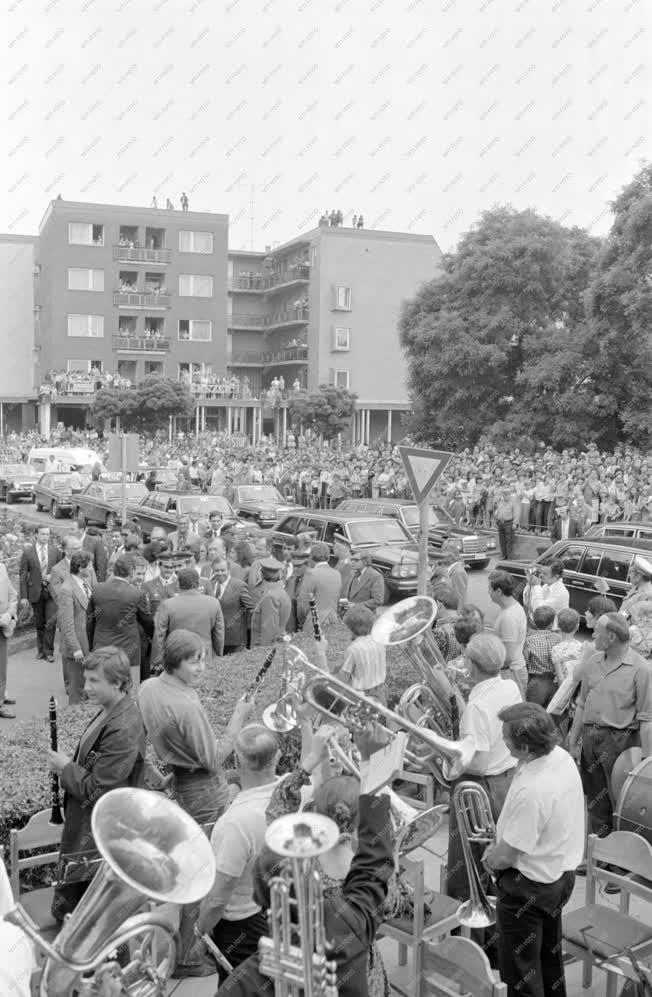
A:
[(511, 627), (492, 765), (547, 589), (539, 844)]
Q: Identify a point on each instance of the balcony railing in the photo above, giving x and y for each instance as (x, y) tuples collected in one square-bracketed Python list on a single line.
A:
[(223, 389), (291, 355), (248, 359), (247, 321), (140, 299), (269, 282), (141, 344), (137, 254), (289, 316)]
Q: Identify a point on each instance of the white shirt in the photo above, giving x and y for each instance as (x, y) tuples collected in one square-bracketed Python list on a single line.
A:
[(480, 721), (556, 596), (543, 817), (511, 627), (237, 839), (15, 976)]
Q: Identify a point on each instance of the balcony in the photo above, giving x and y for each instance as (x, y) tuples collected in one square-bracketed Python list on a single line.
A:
[(138, 254), (247, 322), (296, 274), (245, 360), (287, 318), (292, 355), (141, 299), (141, 344)]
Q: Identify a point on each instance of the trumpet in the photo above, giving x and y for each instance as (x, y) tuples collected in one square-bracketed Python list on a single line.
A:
[(475, 823), (338, 702), (295, 956)]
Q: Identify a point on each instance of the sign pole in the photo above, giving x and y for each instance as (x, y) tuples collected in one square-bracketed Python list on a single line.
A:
[(123, 468), (423, 567)]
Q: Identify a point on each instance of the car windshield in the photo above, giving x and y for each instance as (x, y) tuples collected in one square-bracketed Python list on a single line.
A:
[(436, 516), (259, 493), (135, 490), (61, 482), (204, 504), (378, 531)]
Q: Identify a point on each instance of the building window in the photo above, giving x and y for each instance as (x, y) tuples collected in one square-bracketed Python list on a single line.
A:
[(85, 366), (85, 234), (127, 325), (193, 371), (153, 367), (341, 339), (82, 326), (342, 378), (195, 330), (195, 242), (85, 280), (195, 286), (342, 298)]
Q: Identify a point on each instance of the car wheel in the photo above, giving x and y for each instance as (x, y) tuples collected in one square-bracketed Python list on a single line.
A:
[(38, 506), (109, 522), (55, 510), (9, 498), (479, 565)]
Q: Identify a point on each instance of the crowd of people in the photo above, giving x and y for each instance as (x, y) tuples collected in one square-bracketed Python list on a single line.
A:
[(335, 218), (138, 624)]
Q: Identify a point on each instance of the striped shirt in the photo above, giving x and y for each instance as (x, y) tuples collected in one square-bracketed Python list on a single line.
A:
[(365, 663)]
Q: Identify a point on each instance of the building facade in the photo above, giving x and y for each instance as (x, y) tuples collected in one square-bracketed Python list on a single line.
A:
[(107, 294)]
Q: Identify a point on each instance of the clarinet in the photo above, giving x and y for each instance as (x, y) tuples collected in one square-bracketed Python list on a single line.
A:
[(455, 718), (264, 668), (55, 815), (316, 626)]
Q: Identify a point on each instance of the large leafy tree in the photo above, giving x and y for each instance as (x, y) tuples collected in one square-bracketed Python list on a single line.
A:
[(619, 310), (145, 406), (326, 411), (473, 334)]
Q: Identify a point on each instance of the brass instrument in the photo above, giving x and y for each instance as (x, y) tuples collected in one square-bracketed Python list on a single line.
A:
[(281, 716), (338, 702), (295, 956), (475, 823), (152, 850)]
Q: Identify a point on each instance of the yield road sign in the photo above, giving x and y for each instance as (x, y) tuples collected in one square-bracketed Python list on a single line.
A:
[(423, 467)]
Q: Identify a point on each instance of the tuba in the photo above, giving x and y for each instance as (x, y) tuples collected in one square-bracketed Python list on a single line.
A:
[(152, 850), (295, 956), (337, 702), (475, 823)]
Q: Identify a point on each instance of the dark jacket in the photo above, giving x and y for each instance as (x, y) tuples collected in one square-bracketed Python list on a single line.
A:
[(114, 611), (574, 529), (236, 605), (115, 758), (95, 547), (31, 582), (368, 589), (352, 921)]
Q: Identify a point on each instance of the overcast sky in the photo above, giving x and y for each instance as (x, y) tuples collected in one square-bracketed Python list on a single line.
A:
[(417, 113)]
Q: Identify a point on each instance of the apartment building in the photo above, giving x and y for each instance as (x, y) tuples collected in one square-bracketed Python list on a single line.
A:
[(110, 294), (323, 309), (127, 292)]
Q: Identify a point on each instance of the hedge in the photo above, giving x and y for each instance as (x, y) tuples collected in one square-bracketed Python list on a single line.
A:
[(25, 779)]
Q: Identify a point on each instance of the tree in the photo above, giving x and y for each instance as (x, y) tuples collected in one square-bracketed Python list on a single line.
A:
[(477, 337), (326, 411), (619, 311), (146, 406)]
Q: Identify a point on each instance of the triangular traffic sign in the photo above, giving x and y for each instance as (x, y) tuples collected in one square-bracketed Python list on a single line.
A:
[(423, 467)]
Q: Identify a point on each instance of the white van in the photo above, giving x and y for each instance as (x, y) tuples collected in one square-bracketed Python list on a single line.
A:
[(67, 458)]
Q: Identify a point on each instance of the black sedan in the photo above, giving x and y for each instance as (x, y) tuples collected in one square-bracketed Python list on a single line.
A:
[(17, 481), (261, 504), (101, 500), (53, 492), (166, 508)]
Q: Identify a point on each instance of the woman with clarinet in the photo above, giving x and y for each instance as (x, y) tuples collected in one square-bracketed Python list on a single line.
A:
[(110, 755)]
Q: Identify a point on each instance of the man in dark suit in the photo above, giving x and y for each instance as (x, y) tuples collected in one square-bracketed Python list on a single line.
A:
[(271, 613), (564, 526), (236, 603), (324, 583), (114, 611), (294, 585), (190, 610), (72, 602), (164, 585), (36, 563), (367, 586), (91, 540)]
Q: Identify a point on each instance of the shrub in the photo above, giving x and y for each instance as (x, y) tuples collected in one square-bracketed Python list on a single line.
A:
[(25, 778)]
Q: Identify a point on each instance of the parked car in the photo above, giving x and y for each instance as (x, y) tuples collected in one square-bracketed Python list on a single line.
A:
[(100, 502), (53, 492), (261, 504), (394, 552), (475, 550), (634, 532), (165, 508), (17, 481), (584, 562), (166, 477)]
